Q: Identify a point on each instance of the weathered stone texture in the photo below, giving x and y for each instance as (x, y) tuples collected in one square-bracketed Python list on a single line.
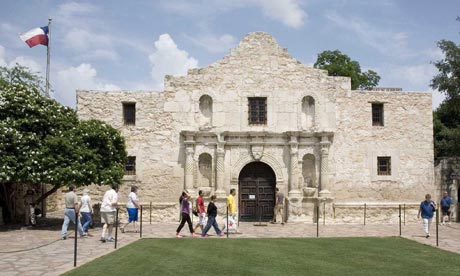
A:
[(311, 118)]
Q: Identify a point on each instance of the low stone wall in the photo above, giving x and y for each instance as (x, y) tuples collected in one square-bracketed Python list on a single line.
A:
[(373, 213)]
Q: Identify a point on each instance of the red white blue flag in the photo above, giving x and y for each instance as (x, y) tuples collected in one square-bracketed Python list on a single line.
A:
[(36, 36)]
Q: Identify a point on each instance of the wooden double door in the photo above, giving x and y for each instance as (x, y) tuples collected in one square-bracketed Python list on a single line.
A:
[(257, 183)]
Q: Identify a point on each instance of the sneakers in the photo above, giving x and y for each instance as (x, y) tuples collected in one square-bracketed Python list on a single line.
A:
[(221, 234), (111, 239), (204, 236), (102, 239)]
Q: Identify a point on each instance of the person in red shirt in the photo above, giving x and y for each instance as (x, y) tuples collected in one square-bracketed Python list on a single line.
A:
[(199, 207)]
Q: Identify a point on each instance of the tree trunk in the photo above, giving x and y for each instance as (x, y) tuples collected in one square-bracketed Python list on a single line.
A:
[(8, 204), (48, 193)]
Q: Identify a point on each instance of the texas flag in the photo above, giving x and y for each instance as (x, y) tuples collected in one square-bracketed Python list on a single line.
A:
[(36, 36)]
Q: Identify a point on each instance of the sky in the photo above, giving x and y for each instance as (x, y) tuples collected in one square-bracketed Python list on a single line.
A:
[(132, 45)]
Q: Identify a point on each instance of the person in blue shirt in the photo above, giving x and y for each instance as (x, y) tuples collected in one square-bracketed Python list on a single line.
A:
[(427, 209), (446, 201)]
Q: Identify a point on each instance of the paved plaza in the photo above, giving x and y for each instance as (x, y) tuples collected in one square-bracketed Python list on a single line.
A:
[(40, 251)]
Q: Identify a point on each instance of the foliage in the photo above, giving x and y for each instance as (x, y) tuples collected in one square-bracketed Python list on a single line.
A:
[(446, 118), (42, 141), (338, 64), (274, 256), (21, 75)]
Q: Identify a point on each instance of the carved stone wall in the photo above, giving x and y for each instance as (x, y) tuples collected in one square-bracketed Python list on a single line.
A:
[(206, 111)]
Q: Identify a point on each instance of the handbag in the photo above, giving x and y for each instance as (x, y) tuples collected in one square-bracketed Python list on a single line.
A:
[(195, 213)]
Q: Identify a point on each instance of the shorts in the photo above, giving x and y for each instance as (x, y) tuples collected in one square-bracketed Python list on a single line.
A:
[(445, 211), (202, 218), (108, 217), (132, 214)]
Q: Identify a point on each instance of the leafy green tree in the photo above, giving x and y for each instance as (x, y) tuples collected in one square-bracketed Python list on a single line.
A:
[(446, 118), (42, 141), (21, 75), (338, 64)]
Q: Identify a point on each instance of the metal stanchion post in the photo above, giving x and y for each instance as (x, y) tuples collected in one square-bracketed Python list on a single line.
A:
[(116, 228), (404, 213), (324, 213), (140, 226), (317, 221), (364, 213), (400, 220), (75, 242), (437, 224), (227, 222), (150, 212)]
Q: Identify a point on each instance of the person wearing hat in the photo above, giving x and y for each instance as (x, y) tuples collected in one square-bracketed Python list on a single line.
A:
[(185, 211), (86, 210)]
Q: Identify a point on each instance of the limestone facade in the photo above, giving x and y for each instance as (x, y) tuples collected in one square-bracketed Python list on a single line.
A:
[(318, 138)]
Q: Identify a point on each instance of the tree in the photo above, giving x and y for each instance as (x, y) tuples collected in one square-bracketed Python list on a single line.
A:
[(338, 64), (42, 141), (21, 75), (446, 118)]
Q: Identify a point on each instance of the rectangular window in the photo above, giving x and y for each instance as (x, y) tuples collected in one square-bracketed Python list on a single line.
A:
[(129, 114), (130, 167), (377, 114), (384, 165), (257, 111)]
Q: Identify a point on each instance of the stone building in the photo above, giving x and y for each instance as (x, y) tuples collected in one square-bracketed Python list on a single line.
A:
[(257, 120)]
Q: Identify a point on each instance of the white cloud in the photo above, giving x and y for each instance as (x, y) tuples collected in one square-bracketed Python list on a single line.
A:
[(214, 44), (2, 56), (70, 79), (288, 12), (419, 75), (167, 59), (69, 13), (34, 66), (385, 41), (438, 98)]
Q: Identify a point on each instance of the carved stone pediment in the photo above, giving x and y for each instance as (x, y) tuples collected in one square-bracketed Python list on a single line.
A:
[(257, 151)]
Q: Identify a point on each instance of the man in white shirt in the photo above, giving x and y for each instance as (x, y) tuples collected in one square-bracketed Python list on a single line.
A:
[(108, 211)]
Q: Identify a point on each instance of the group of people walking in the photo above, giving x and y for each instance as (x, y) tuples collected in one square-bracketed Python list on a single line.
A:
[(210, 213), (108, 209), (206, 216)]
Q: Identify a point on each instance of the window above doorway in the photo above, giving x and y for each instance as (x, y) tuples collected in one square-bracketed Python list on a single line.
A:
[(257, 111)]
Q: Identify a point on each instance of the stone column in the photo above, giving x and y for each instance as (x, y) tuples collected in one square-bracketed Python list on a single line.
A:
[(293, 170), (220, 171), (324, 167), (189, 163), (453, 195)]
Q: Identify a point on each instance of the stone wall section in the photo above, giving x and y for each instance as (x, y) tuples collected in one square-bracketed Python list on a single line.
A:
[(406, 136), (170, 123)]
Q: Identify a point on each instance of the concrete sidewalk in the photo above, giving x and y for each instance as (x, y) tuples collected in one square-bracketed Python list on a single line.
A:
[(42, 252)]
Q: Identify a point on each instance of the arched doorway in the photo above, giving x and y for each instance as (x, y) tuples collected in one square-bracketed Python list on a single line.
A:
[(257, 183)]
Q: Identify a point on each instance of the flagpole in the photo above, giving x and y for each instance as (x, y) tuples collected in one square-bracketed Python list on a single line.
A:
[(48, 59)]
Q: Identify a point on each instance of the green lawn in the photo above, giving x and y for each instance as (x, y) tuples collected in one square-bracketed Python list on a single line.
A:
[(288, 256)]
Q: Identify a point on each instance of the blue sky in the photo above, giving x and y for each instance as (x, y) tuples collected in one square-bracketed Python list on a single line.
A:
[(131, 45)]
